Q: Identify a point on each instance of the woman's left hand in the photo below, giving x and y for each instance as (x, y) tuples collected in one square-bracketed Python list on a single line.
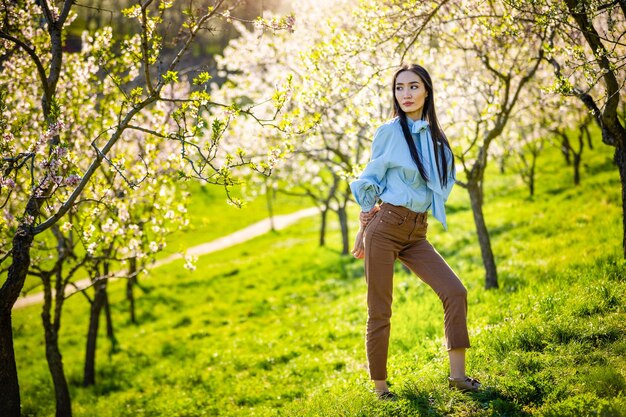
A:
[(359, 248)]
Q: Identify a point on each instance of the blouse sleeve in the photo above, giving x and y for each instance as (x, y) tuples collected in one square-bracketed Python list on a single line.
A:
[(372, 181)]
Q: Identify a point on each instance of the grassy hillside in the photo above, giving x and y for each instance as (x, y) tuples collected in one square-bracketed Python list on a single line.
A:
[(210, 217), (275, 326)]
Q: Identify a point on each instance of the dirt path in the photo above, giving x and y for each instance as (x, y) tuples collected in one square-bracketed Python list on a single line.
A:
[(240, 236)]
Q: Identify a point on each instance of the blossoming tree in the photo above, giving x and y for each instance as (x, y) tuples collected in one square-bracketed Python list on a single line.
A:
[(338, 97), (588, 57), (64, 116)]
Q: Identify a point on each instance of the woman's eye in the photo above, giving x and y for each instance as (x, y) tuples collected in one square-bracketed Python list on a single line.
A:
[(413, 87)]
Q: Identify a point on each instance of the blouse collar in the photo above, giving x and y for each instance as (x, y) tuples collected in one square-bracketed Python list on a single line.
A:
[(416, 126)]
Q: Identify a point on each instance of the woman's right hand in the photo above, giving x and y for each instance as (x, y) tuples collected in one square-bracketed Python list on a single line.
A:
[(366, 216)]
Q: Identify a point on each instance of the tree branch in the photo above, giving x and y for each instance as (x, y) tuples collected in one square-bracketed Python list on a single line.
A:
[(189, 40), (144, 45), (578, 11), (429, 17), (66, 11), (95, 164), (31, 52)]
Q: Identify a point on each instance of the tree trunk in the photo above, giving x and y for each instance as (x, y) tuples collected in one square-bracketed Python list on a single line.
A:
[(577, 159), (491, 274), (620, 160), (270, 207), (55, 364), (343, 223), (533, 170), (89, 376), (324, 214), (54, 357), (578, 155), (51, 335), (565, 148), (109, 321), (130, 285), (9, 385), (107, 315)]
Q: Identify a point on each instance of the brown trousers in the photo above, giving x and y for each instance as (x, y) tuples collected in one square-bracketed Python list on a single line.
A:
[(399, 233)]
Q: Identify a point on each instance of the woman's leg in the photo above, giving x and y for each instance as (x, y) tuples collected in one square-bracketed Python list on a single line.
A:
[(458, 379), (426, 262), (380, 385), (380, 256), (457, 363)]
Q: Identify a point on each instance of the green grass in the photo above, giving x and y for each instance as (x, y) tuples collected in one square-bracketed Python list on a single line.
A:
[(274, 327)]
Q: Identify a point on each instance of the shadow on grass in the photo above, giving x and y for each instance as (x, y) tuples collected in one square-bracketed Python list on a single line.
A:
[(456, 208), (498, 403), (489, 401), (607, 166), (423, 402)]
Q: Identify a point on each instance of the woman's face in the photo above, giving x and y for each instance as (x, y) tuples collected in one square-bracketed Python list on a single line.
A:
[(411, 94)]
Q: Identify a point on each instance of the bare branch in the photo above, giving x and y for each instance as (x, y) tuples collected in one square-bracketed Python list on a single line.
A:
[(144, 45)]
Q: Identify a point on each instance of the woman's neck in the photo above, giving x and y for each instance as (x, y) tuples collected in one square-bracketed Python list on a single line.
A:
[(415, 116)]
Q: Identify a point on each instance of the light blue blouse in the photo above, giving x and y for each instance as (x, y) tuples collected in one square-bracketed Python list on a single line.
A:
[(392, 176)]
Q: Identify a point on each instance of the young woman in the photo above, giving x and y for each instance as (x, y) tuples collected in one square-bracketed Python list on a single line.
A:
[(411, 171)]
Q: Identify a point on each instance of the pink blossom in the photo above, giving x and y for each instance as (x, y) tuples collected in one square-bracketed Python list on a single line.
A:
[(8, 182), (72, 180), (43, 185), (51, 165), (228, 113), (290, 21), (61, 152), (53, 129), (7, 142)]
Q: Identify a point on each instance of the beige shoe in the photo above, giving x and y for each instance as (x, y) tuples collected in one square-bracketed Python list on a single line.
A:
[(465, 384)]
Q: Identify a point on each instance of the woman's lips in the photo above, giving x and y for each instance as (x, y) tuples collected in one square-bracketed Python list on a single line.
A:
[(407, 103)]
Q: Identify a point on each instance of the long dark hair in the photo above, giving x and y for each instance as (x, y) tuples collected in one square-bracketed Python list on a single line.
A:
[(428, 114)]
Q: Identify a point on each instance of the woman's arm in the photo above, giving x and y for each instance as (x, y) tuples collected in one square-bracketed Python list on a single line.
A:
[(358, 251), (371, 183)]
